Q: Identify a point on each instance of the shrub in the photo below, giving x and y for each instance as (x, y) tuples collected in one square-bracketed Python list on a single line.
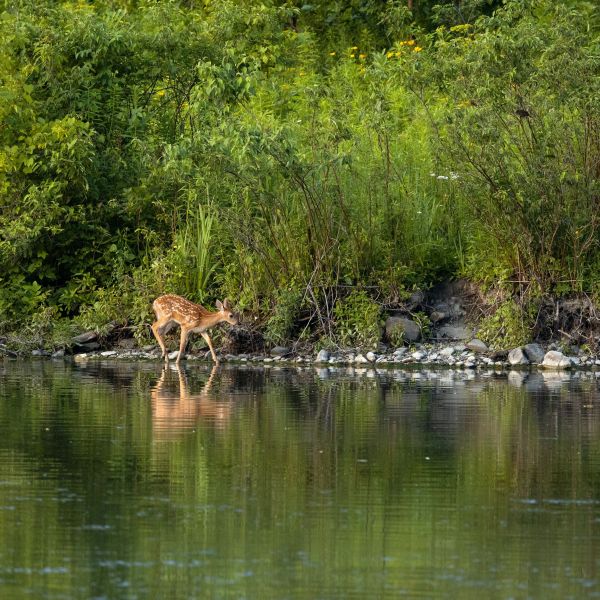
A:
[(357, 320)]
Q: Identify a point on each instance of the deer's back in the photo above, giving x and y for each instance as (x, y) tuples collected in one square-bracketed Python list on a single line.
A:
[(177, 308)]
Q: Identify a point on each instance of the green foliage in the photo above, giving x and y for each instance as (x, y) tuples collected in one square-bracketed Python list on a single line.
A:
[(230, 148), (520, 126), (283, 317), (509, 326), (357, 320)]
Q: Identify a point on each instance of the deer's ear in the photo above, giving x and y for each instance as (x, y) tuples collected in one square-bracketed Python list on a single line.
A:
[(226, 304), (219, 305)]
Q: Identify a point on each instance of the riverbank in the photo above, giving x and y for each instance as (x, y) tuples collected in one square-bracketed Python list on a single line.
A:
[(473, 355)]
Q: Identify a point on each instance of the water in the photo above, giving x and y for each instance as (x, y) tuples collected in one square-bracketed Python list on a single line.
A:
[(119, 482)]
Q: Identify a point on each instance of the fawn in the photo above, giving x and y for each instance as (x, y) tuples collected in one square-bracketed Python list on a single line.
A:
[(192, 318)]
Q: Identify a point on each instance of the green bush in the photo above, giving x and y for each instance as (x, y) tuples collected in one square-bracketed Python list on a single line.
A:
[(357, 321), (282, 321), (509, 326)]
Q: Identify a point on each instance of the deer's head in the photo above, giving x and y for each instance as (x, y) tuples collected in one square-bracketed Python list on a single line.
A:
[(227, 313)]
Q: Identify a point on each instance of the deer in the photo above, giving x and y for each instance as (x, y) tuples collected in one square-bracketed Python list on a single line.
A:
[(191, 318)]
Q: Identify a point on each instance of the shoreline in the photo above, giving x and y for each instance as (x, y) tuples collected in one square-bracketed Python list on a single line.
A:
[(457, 356)]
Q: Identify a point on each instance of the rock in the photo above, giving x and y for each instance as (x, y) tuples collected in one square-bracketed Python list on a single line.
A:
[(279, 351), (371, 356), (410, 330), (517, 357), (6, 352), (360, 359), (88, 347), (556, 360), (173, 355), (108, 353), (398, 352), (416, 298), (447, 351), (84, 338), (40, 353), (60, 353), (477, 345), (437, 316), (419, 355), (454, 332), (322, 356), (126, 343), (534, 352)]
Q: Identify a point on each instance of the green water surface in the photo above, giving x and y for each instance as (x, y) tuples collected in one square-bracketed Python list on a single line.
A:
[(125, 481)]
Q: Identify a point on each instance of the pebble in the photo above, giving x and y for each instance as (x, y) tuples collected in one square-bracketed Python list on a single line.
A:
[(455, 356)]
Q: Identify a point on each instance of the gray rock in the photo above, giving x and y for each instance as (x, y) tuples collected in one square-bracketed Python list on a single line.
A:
[(410, 330), (517, 357), (88, 347), (417, 298), (173, 355), (371, 356), (84, 338), (556, 360), (360, 359), (400, 352), (40, 353), (534, 352), (477, 345), (437, 316), (455, 332), (279, 351), (6, 352), (107, 353), (447, 351), (322, 356), (126, 343), (419, 355), (58, 354)]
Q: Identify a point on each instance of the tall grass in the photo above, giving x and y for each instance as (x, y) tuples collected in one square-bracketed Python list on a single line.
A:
[(194, 260)]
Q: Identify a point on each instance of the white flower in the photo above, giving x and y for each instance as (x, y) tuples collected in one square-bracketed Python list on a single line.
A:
[(442, 176)]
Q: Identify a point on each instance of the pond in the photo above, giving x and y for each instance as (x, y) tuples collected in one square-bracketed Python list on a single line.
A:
[(121, 480)]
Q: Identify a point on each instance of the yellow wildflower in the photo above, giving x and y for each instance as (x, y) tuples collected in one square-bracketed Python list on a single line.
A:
[(389, 55), (417, 49), (362, 56), (352, 55), (354, 48), (332, 54), (410, 42)]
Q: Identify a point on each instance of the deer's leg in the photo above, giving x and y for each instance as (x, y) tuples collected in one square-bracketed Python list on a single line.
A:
[(157, 331), (210, 346), (182, 342)]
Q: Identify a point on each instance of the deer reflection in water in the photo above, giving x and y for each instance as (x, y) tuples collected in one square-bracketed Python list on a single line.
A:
[(175, 409)]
